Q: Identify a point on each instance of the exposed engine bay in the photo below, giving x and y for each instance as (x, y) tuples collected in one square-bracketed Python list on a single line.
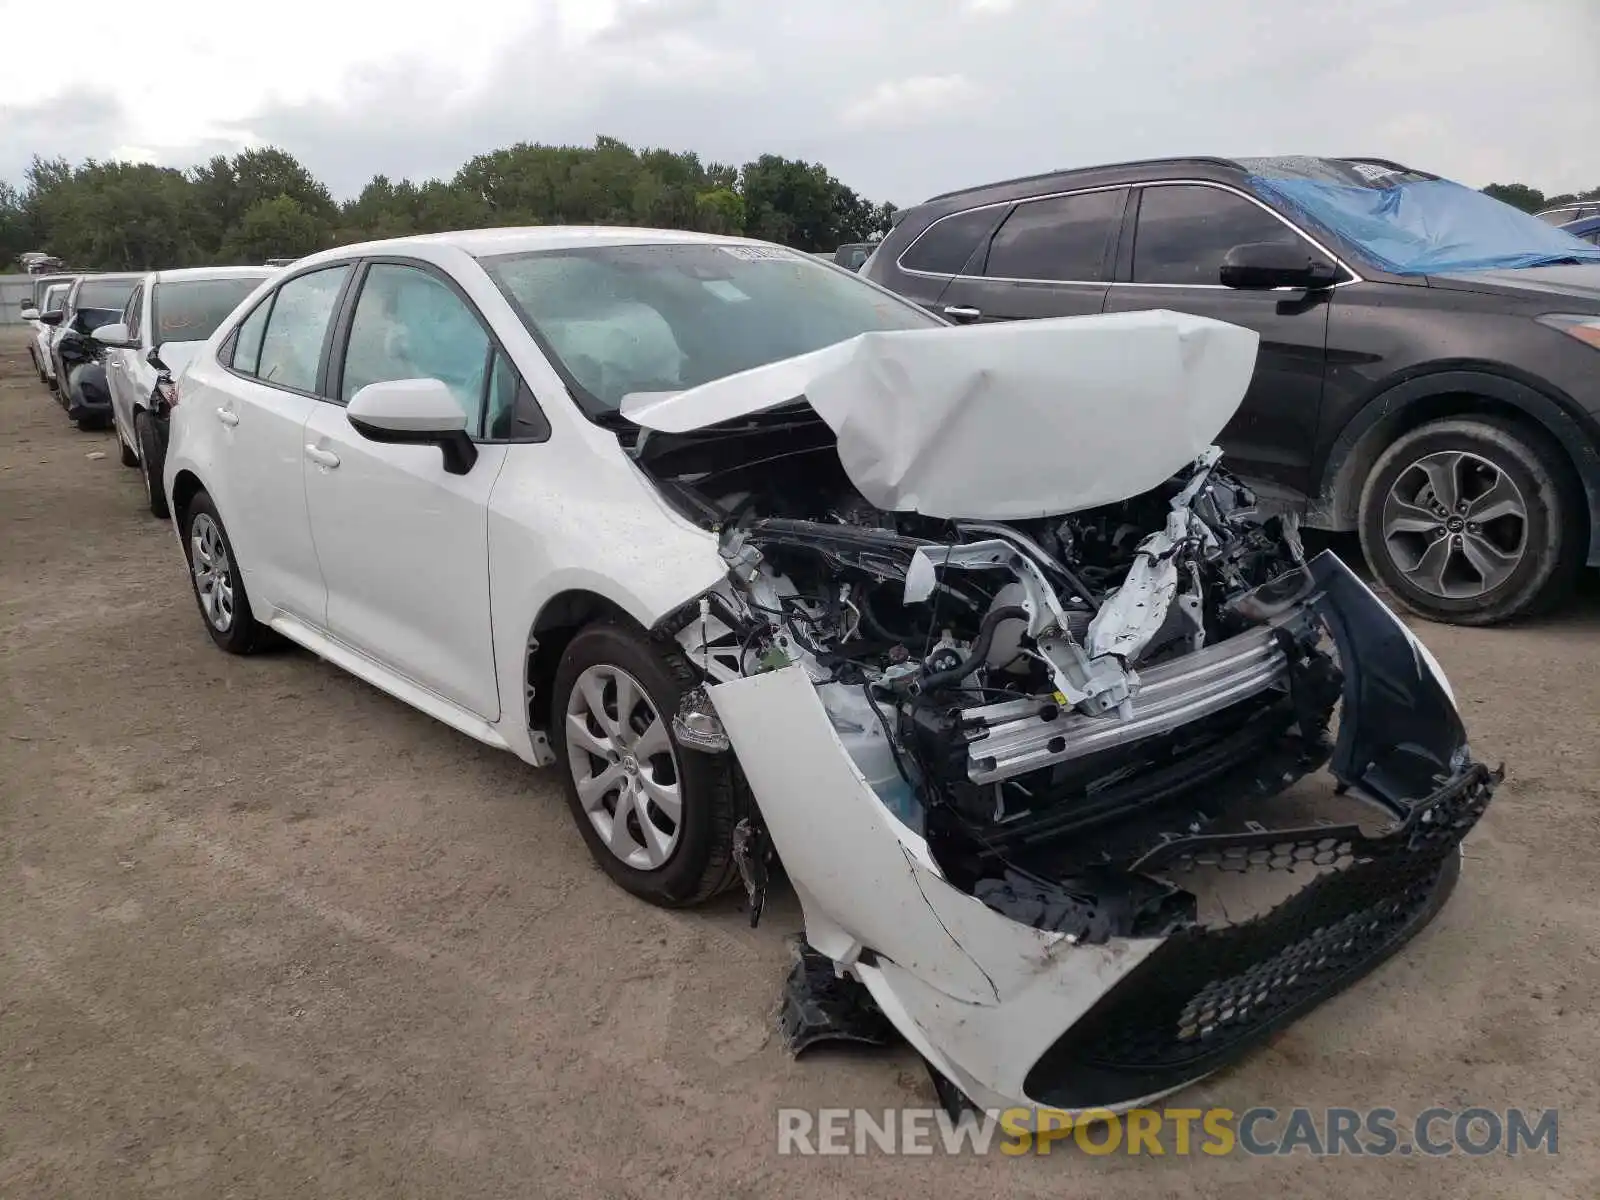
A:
[(995, 752), (1001, 685)]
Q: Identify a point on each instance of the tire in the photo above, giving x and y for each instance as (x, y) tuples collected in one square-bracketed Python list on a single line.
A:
[(240, 633), (1493, 571), (151, 461), (129, 457), (699, 862)]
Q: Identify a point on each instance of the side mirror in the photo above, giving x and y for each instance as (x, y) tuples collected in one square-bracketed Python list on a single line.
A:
[(114, 337), (30, 311), (414, 412), (52, 317), (1262, 266)]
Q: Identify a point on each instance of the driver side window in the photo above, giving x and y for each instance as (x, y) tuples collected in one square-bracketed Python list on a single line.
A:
[(408, 324)]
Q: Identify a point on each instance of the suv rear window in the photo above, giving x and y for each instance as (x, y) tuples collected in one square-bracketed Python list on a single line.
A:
[(1063, 239), (945, 246)]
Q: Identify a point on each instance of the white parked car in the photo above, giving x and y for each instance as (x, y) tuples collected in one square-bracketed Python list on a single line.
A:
[(167, 318), (53, 300), (967, 626)]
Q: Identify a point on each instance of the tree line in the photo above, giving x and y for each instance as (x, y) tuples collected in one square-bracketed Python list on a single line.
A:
[(1531, 199), (263, 203)]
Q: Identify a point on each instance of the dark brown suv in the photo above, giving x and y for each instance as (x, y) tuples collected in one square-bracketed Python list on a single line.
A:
[(1429, 369)]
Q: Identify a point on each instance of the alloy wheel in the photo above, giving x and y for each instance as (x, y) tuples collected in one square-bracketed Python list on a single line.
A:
[(624, 767), (213, 573), (1455, 525)]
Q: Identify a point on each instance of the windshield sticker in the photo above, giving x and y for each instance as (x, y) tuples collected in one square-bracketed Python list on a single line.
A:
[(1375, 172), (759, 253), (723, 290)]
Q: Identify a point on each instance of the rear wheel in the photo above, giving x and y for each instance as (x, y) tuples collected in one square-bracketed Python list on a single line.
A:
[(1472, 520), (218, 587), (657, 818)]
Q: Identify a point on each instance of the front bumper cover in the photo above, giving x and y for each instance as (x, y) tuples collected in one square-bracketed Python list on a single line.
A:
[(1017, 1016)]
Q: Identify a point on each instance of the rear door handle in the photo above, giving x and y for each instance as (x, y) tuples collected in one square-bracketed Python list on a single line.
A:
[(961, 312), (228, 417), (323, 458)]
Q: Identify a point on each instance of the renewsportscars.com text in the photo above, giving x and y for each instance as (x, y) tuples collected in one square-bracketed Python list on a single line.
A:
[(1258, 1132)]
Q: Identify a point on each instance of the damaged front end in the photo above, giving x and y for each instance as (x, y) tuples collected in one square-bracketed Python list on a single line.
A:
[(1045, 785)]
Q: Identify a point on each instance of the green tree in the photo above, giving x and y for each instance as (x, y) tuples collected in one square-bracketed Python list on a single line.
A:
[(720, 210), (264, 203), (276, 228)]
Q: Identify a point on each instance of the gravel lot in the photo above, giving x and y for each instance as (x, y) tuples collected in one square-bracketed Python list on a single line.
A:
[(266, 932)]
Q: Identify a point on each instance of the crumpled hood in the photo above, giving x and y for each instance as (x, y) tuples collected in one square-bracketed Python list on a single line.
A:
[(1003, 421)]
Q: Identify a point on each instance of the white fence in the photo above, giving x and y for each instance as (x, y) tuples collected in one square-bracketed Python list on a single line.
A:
[(12, 290)]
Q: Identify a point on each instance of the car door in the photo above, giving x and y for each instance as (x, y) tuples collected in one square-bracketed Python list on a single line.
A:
[(139, 376), (258, 395), (1180, 233), (119, 364), (404, 544), (1051, 257)]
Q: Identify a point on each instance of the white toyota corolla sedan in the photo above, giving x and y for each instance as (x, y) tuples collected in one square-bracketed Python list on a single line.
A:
[(968, 627)]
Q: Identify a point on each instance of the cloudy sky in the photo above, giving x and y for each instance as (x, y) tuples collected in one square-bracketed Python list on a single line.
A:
[(900, 98)]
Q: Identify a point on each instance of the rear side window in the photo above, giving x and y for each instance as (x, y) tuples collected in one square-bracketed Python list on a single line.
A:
[(1186, 230), (1065, 239), (291, 349), (946, 245)]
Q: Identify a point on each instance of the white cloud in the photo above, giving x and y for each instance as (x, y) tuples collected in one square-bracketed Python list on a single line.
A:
[(899, 98), (914, 101)]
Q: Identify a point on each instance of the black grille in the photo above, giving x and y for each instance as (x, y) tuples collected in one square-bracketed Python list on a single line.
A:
[(1205, 995)]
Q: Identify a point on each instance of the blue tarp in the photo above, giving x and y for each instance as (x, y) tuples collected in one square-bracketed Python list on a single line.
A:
[(1429, 226)]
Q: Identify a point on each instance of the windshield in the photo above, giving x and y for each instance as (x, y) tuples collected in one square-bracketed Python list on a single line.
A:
[(190, 310), (663, 318), (105, 293), (1407, 223)]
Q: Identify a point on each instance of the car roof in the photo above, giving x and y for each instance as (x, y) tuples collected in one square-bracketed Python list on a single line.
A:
[(1147, 169), (180, 274), (481, 243)]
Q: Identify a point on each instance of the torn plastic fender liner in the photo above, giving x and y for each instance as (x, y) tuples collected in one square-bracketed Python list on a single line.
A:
[(954, 975)]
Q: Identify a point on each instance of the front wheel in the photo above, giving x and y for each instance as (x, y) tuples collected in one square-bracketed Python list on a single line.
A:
[(1473, 521), (218, 587), (657, 818), (152, 461)]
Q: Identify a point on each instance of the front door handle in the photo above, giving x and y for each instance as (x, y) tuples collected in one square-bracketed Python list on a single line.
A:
[(961, 312), (228, 417), (323, 458)]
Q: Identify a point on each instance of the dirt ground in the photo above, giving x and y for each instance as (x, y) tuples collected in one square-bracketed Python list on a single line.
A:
[(265, 931)]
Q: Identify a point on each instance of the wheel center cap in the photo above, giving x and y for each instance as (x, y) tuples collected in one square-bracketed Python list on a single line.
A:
[(630, 764), (1455, 524)]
